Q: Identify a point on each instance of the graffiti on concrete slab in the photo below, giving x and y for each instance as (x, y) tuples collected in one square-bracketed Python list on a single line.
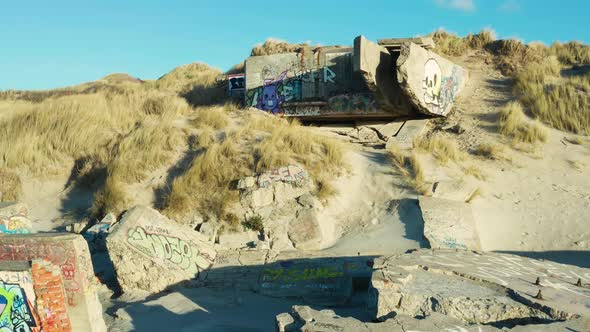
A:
[(356, 102), (16, 224), (286, 86), (291, 174), (16, 310), (169, 248), (502, 267), (439, 90), (300, 274)]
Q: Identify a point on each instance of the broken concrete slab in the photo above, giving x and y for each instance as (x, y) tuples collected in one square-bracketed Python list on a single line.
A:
[(478, 287), (385, 130), (151, 252), (377, 67), (305, 232), (449, 224), (431, 82), (304, 318), (410, 130)]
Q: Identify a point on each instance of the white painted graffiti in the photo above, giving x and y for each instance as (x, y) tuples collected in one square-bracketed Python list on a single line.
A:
[(172, 249), (499, 268), (291, 174)]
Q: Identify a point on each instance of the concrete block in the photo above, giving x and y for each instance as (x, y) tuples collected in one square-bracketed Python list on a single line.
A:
[(431, 82), (478, 288), (151, 252), (410, 129), (449, 224)]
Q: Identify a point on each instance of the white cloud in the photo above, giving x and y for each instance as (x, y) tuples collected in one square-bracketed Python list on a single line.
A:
[(464, 5), (510, 6)]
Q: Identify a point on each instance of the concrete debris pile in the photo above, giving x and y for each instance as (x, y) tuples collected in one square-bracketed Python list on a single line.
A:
[(283, 202), (151, 252), (303, 318), (478, 288), (390, 79)]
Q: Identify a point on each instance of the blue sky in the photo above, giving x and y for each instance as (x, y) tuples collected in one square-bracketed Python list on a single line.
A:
[(48, 44)]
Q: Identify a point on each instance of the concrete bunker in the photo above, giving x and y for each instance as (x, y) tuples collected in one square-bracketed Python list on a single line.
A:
[(391, 79)]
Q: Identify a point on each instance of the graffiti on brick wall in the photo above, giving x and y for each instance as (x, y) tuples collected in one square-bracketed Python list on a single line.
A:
[(60, 254), (16, 309), (169, 248), (439, 91), (356, 102), (17, 224), (291, 174)]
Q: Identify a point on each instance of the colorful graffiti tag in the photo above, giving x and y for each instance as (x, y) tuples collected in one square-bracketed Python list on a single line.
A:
[(17, 224), (16, 311), (169, 248), (285, 87), (439, 91)]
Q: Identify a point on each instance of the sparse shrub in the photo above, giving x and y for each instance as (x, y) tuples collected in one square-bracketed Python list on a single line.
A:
[(571, 53), (10, 186), (232, 221), (206, 137), (489, 150), (482, 39), (475, 172), (513, 124), (443, 148), (409, 166), (449, 44), (255, 223)]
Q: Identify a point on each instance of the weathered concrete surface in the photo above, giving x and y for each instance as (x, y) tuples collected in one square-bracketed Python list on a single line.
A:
[(478, 288), (449, 224), (430, 81), (305, 232), (70, 253), (317, 279), (377, 67), (304, 318), (13, 218), (405, 136), (151, 252)]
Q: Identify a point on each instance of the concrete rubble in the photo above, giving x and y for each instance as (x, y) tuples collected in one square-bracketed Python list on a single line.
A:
[(304, 318), (478, 288), (150, 252), (448, 224)]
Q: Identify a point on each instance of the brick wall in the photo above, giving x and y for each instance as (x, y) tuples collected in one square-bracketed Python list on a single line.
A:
[(51, 299)]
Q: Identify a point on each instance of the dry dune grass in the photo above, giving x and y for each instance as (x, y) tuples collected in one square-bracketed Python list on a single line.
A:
[(515, 125), (409, 165), (213, 117), (561, 102), (264, 143), (490, 151), (443, 148), (10, 186), (275, 46)]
